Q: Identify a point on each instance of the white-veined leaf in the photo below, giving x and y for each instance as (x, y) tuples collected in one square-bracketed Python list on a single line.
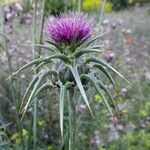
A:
[(43, 46), (31, 85), (104, 70), (39, 60), (36, 86), (41, 89), (107, 66), (63, 89), (55, 45), (95, 38), (80, 86), (82, 52)]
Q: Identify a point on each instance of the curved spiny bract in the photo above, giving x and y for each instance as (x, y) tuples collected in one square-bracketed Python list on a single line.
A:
[(104, 70), (45, 73), (93, 81), (103, 63)]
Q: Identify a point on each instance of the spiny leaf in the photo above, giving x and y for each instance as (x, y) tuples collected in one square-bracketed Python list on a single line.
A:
[(104, 70), (82, 52), (42, 88), (96, 47), (43, 46), (39, 60), (36, 86), (81, 42), (61, 107), (40, 65), (34, 62), (95, 84), (80, 86), (73, 45), (95, 38), (107, 66), (63, 89), (108, 93), (34, 80), (61, 57), (55, 45)]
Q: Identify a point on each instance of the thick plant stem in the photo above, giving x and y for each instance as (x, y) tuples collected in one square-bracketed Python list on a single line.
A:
[(72, 121)]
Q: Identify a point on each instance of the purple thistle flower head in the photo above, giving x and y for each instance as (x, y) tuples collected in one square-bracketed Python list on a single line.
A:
[(67, 28)]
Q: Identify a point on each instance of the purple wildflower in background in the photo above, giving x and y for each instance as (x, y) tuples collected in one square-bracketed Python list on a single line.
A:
[(67, 28)]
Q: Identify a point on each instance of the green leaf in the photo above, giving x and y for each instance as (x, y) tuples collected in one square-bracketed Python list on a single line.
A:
[(109, 94), (96, 47), (81, 42), (55, 45), (63, 89), (82, 52), (98, 89), (42, 88), (95, 38), (44, 47), (75, 73), (34, 80), (61, 107), (40, 65), (34, 62), (101, 62), (39, 60), (61, 57), (73, 45), (104, 70), (36, 86)]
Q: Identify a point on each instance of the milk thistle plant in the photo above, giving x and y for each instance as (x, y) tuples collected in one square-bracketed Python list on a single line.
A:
[(70, 39)]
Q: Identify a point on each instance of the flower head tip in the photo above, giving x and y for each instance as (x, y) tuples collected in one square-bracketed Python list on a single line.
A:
[(67, 28)]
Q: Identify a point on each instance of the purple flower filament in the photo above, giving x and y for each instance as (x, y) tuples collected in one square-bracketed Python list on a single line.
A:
[(68, 28)]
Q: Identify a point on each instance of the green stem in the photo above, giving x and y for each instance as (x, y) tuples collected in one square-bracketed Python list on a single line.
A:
[(41, 27), (35, 102), (35, 125), (37, 56), (72, 121), (101, 13), (79, 5), (30, 135)]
